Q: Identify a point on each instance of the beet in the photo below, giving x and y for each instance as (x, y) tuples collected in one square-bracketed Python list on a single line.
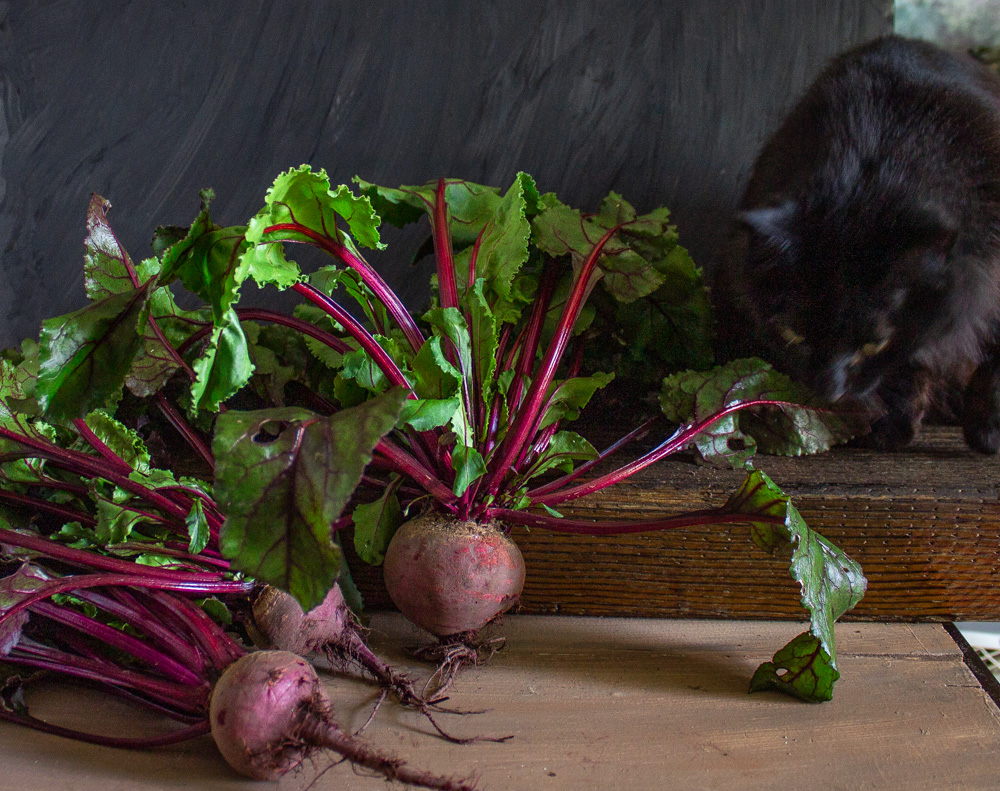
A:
[(269, 713), (452, 577)]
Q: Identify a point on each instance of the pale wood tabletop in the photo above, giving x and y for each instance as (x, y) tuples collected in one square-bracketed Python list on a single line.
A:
[(609, 703)]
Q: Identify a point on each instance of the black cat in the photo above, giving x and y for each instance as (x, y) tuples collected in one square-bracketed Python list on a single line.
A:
[(866, 259)]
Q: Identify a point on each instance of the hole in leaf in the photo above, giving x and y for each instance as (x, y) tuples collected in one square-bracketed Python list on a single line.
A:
[(736, 443), (781, 671), (270, 431)]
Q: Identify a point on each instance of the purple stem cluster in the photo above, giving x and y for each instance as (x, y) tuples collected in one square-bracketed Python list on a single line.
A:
[(511, 450)]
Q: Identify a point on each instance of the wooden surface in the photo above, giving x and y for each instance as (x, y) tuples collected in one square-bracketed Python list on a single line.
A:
[(924, 524), (637, 704), (148, 102)]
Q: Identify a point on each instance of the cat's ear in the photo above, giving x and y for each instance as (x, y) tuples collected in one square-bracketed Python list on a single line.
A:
[(774, 223)]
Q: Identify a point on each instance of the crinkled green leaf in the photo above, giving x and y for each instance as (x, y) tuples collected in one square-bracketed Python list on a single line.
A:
[(282, 477), (830, 582), (374, 526), (85, 356), (792, 425), (503, 242), (125, 442), (223, 367), (450, 324), (303, 197), (801, 669), (114, 523)]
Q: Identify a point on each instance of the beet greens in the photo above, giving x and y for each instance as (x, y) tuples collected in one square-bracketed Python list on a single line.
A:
[(335, 417)]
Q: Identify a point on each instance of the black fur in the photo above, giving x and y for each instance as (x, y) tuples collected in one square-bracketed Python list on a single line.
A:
[(866, 257)]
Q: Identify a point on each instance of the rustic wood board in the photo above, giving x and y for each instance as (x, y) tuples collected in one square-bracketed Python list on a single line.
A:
[(613, 703), (924, 524)]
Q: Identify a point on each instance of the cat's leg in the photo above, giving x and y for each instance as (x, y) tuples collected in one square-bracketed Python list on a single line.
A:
[(905, 395), (981, 409)]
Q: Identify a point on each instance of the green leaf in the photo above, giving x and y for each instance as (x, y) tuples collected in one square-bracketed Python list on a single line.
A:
[(106, 265), (198, 529), (468, 465), (12, 393), (210, 267), (830, 582), (563, 449), (434, 376), (503, 243), (568, 397), (223, 367), (794, 426), (114, 523), (85, 356), (282, 477), (483, 339), (168, 328), (374, 526), (801, 669), (303, 197), (470, 205), (125, 442), (423, 414)]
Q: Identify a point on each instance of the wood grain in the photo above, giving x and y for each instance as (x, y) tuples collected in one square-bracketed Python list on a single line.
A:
[(924, 524), (643, 704), (147, 102)]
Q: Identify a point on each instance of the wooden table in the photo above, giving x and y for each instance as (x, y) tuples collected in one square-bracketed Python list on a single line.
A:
[(611, 703)]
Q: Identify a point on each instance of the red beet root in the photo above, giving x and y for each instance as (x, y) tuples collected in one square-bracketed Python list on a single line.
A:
[(452, 577), (269, 712)]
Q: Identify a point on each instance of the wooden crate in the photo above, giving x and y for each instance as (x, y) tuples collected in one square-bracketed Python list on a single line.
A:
[(924, 524)]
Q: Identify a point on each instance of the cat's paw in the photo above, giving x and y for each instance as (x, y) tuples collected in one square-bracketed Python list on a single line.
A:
[(890, 432), (982, 434)]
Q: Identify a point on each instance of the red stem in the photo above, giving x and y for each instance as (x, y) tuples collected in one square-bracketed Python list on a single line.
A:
[(443, 252), (256, 314), (184, 429), (678, 440), (371, 278), (525, 423), (129, 743), (552, 486), (46, 505), (358, 332)]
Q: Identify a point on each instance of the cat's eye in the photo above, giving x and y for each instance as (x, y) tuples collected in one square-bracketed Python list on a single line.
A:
[(790, 336), (871, 349)]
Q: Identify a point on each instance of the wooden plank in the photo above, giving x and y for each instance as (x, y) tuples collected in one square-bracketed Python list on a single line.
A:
[(924, 524), (615, 703)]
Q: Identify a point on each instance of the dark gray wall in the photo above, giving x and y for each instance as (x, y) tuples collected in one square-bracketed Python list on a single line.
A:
[(146, 101)]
